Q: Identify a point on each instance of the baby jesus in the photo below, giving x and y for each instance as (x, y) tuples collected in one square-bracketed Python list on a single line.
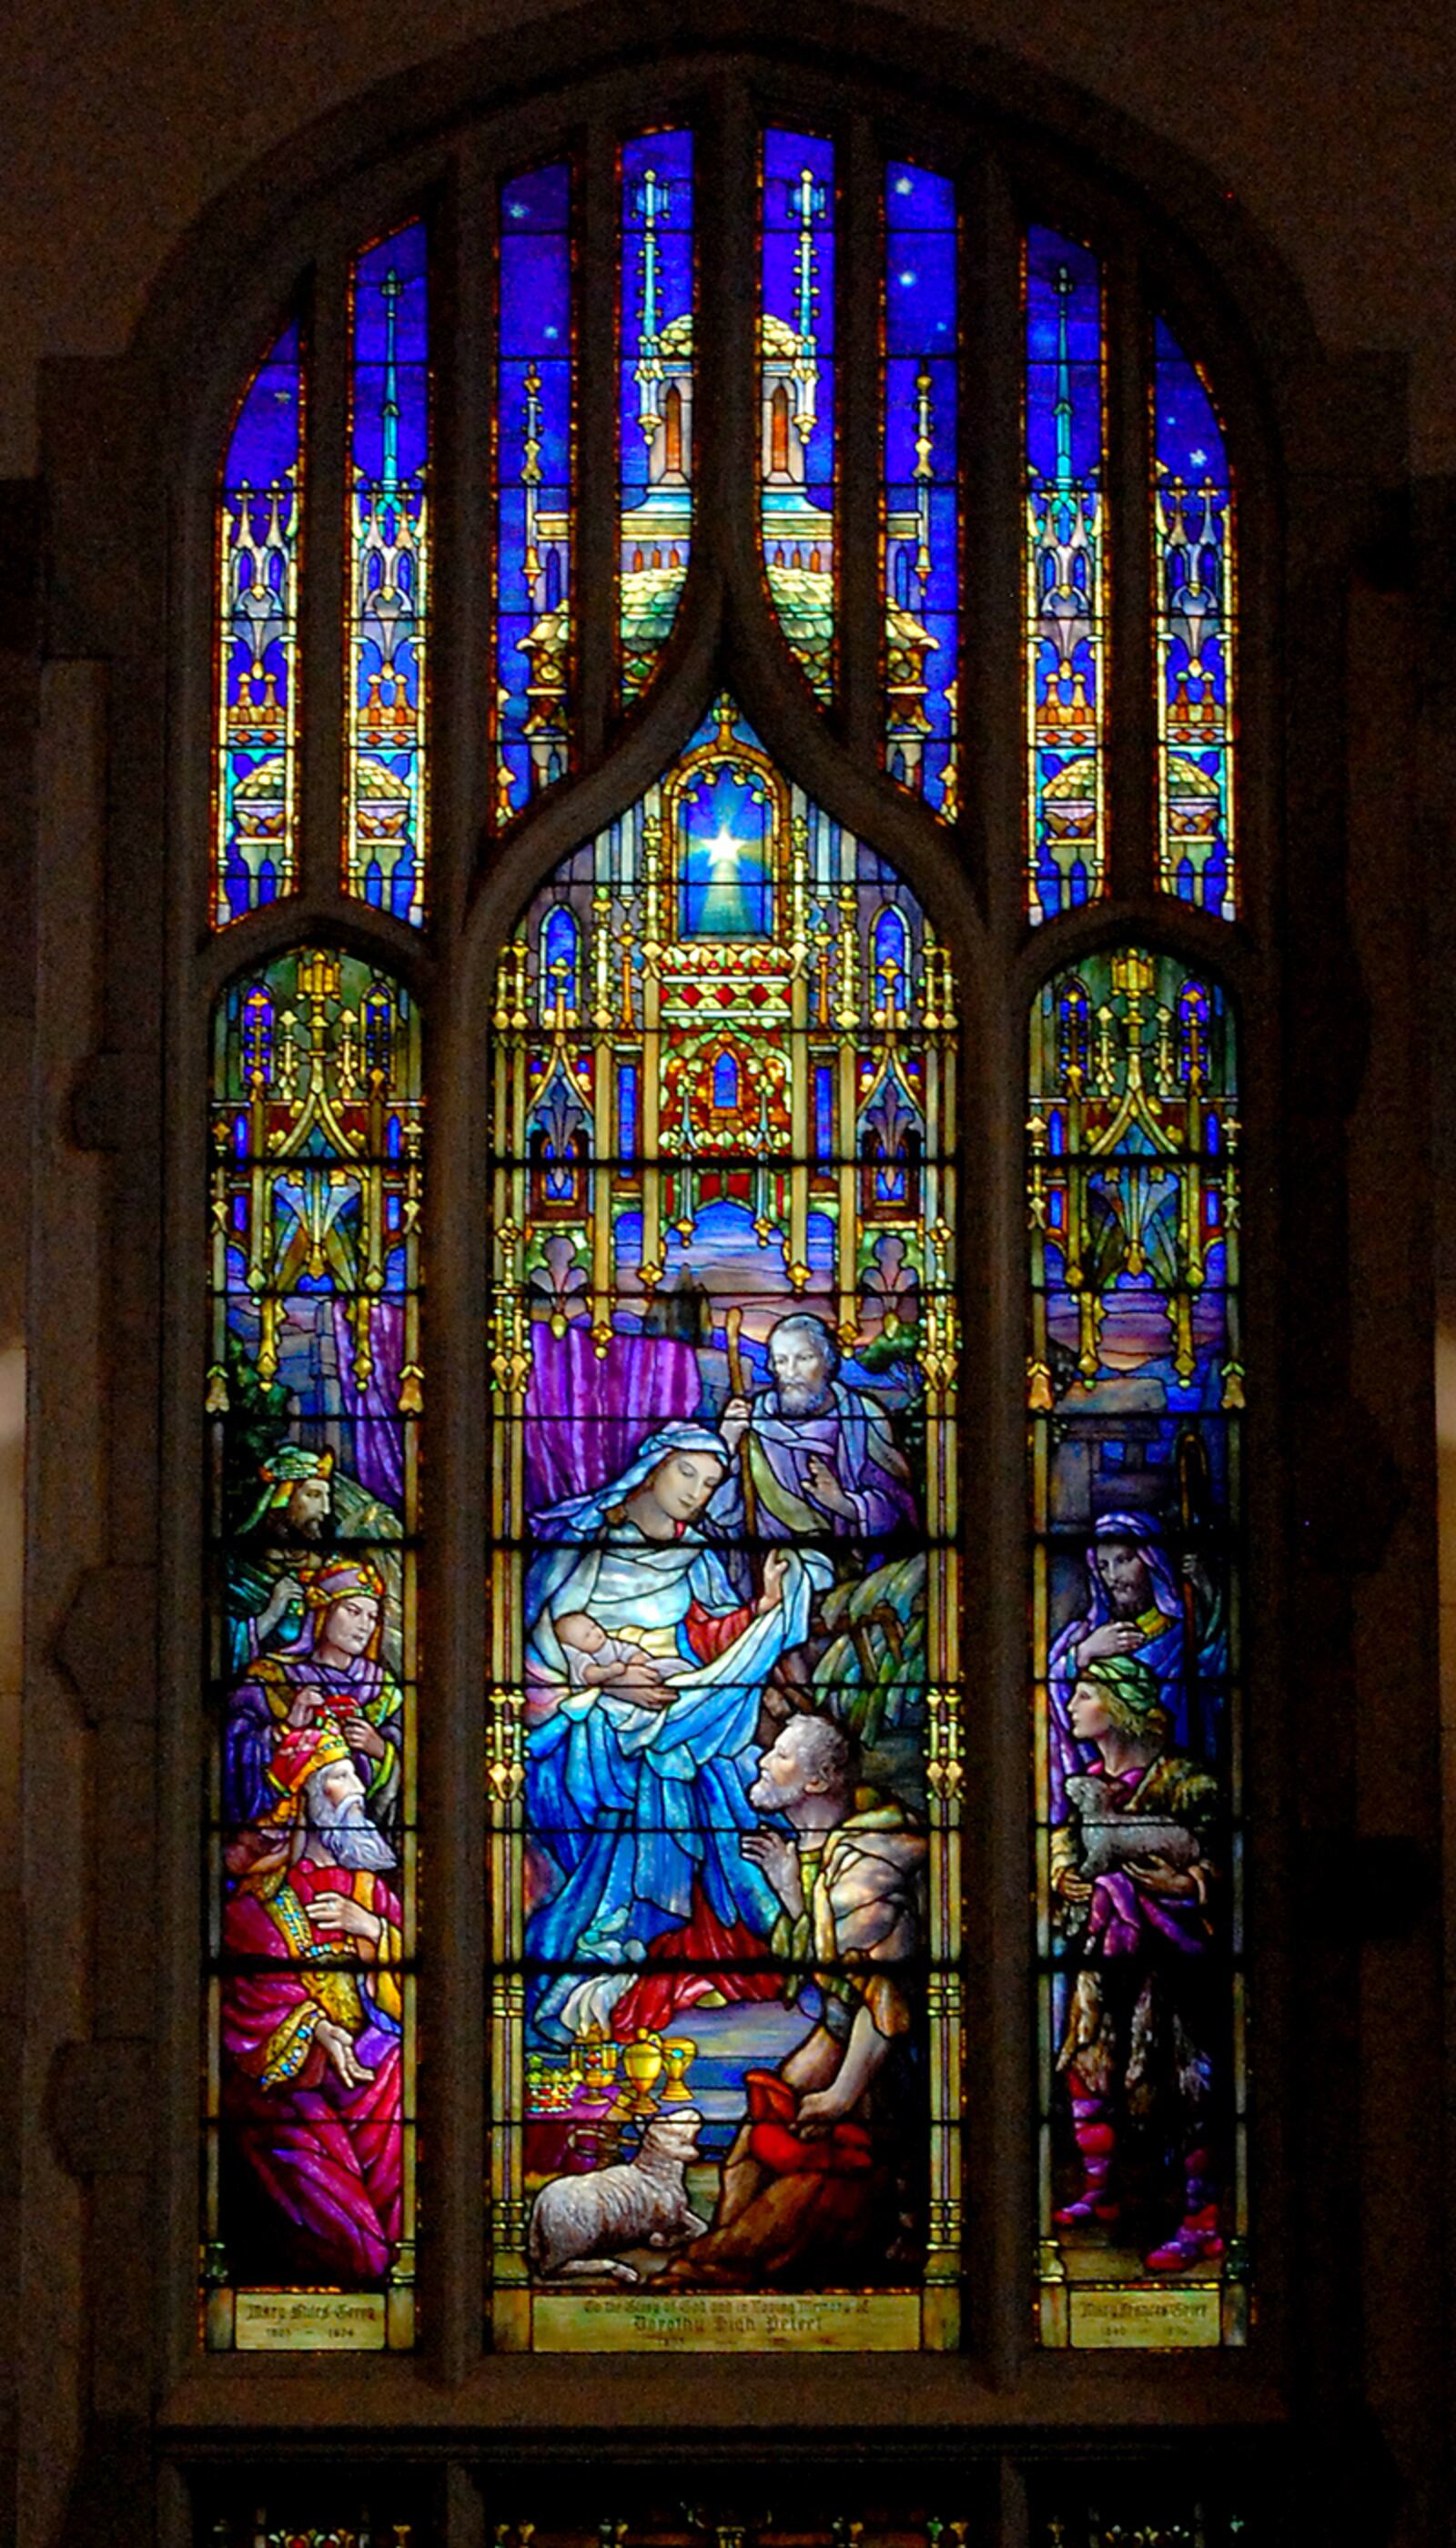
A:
[(620, 1666)]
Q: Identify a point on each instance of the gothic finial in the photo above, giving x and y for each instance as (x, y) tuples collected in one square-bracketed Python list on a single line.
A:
[(652, 203), (1063, 285), (924, 445), (530, 473), (809, 201), (391, 289)]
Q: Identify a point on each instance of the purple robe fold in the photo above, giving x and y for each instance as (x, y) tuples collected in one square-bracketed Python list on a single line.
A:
[(588, 1414)]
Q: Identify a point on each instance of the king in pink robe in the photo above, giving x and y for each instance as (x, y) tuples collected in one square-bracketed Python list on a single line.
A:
[(328, 2157)]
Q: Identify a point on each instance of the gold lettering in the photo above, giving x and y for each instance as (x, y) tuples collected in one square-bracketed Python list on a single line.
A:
[(727, 2323)]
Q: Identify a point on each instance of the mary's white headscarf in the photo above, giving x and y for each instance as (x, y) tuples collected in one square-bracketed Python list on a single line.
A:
[(585, 1517)]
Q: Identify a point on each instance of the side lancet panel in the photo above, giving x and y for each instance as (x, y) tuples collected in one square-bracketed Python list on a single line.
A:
[(313, 1404), (533, 720), (725, 1752), (797, 411), (1195, 608), (1066, 638), (387, 563), (259, 547), (920, 525), (655, 384), (1137, 1394)]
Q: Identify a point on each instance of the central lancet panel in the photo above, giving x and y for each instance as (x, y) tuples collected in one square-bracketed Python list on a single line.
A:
[(724, 1751)]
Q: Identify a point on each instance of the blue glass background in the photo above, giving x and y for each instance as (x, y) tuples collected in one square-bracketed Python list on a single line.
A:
[(1189, 446), (1045, 251), (922, 333), (1189, 438), (535, 329), (264, 441), (712, 903), (1056, 884), (404, 254)]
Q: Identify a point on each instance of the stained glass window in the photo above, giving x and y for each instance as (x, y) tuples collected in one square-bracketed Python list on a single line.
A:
[(388, 815), (655, 391), (259, 524), (535, 422), (1066, 578), (1136, 1393), (724, 1732), (922, 497), (312, 1407), (723, 1727), (797, 422), (1194, 566)]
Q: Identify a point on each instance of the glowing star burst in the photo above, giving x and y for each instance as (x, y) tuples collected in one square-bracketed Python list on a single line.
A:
[(723, 851)]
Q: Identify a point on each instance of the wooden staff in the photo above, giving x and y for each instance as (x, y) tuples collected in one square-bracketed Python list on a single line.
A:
[(1194, 1496), (738, 1385)]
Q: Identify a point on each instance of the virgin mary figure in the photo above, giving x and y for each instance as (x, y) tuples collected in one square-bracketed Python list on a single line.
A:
[(645, 1672)]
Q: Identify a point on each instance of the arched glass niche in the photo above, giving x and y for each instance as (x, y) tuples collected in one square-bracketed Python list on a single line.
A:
[(724, 1584)]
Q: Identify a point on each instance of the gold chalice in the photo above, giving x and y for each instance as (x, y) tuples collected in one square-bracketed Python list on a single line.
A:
[(598, 2062), (677, 2056), (641, 2064)]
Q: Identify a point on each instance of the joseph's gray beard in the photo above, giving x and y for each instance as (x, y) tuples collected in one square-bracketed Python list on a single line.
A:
[(351, 1838), (799, 1398)]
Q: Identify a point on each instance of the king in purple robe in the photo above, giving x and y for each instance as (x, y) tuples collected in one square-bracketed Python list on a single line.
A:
[(333, 1674)]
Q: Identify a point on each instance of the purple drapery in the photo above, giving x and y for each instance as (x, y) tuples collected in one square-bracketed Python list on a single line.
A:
[(586, 1415), (372, 1412)]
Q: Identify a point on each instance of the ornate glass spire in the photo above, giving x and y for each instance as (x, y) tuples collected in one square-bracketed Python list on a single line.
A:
[(259, 520), (656, 396), (535, 522), (921, 537), (797, 437), (387, 806), (1194, 571), (1065, 600)]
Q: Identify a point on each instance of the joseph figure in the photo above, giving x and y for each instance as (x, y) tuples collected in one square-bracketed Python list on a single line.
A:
[(820, 1456)]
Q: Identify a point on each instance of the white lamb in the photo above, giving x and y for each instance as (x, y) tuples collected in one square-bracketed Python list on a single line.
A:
[(576, 2221)]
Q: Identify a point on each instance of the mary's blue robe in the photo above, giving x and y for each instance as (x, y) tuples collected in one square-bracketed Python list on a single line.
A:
[(636, 1808)]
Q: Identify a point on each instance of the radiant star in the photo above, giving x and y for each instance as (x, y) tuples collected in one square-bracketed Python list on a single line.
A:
[(723, 851)]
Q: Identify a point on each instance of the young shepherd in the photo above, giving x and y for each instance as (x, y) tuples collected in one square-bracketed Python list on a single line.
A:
[(577, 2221)]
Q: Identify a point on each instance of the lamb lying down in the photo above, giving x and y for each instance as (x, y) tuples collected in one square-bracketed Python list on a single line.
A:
[(577, 2222)]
